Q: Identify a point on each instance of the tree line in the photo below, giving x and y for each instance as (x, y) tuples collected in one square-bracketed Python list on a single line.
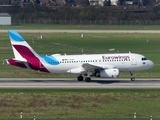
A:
[(75, 2), (32, 11)]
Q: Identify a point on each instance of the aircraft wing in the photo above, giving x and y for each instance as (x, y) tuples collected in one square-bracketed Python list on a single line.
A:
[(92, 67)]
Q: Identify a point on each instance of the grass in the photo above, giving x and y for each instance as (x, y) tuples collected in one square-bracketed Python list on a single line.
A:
[(91, 43), (79, 27), (79, 103)]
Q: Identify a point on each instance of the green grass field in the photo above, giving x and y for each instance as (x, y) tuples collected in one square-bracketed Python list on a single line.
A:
[(91, 43), (79, 103), (79, 27)]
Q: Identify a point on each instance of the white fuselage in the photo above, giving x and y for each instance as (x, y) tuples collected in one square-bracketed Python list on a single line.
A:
[(123, 62)]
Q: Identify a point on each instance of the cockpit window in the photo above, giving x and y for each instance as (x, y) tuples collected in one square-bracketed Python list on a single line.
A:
[(143, 59)]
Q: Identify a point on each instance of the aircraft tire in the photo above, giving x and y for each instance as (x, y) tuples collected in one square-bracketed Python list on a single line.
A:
[(132, 79), (80, 78), (88, 79)]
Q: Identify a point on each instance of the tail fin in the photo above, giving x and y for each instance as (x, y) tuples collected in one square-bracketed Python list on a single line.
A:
[(25, 56), (21, 49)]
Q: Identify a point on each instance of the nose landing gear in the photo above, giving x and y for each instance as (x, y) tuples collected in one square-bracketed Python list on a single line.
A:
[(132, 78)]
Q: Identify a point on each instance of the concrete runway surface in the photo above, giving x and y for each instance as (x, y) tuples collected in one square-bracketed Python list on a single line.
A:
[(73, 83), (84, 31)]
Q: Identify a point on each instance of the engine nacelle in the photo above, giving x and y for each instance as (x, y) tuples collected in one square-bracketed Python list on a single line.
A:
[(108, 73)]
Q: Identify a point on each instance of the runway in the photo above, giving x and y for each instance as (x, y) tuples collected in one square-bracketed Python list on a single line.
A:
[(96, 83)]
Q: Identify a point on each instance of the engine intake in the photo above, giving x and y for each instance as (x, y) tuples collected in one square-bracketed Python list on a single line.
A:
[(108, 73)]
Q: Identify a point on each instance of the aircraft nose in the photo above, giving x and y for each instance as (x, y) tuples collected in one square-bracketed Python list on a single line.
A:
[(151, 64)]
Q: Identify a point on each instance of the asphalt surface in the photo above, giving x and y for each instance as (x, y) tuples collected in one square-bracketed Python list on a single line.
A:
[(73, 83), (84, 31)]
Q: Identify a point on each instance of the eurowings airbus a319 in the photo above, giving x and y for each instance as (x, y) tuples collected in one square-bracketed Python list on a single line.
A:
[(98, 65)]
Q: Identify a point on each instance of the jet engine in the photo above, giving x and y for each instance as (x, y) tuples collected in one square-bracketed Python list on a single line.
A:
[(108, 73)]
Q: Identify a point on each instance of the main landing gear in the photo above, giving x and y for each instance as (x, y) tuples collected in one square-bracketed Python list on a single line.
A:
[(132, 78), (80, 78), (88, 79)]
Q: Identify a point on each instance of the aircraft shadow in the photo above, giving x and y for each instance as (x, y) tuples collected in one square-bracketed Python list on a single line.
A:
[(124, 81), (105, 81)]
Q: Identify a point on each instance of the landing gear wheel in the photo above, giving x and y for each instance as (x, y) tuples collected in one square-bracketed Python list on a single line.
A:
[(80, 78), (88, 79), (132, 79)]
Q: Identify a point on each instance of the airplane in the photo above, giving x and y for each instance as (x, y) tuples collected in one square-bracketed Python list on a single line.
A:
[(98, 65)]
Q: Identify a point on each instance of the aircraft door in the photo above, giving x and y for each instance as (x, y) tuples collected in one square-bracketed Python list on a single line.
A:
[(134, 61)]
